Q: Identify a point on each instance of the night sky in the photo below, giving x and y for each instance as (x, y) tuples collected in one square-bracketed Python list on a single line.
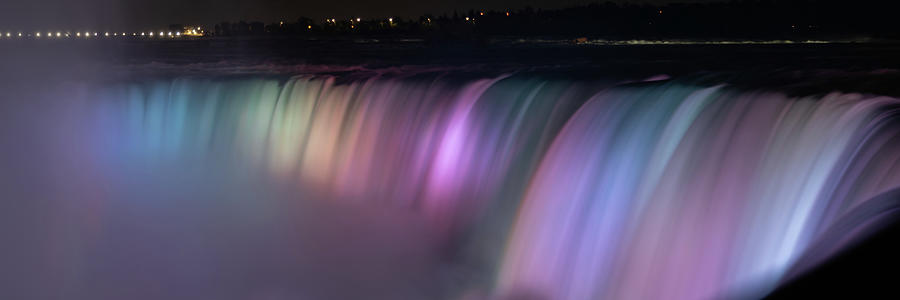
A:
[(30, 15)]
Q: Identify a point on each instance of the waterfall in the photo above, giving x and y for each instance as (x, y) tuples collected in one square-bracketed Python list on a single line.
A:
[(527, 186)]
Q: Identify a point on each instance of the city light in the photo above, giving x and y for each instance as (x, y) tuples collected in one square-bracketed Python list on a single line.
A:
[(188, 31), (390, 19), (358, 19), (308, 26)]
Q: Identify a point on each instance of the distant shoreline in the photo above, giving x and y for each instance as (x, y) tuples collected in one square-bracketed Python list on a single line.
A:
[(530, 40)]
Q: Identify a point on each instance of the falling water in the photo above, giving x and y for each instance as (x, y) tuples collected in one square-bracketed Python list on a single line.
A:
[(515, 186)]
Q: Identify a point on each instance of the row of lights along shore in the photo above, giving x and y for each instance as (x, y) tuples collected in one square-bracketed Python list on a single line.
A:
[(89, 34), (194, 32)]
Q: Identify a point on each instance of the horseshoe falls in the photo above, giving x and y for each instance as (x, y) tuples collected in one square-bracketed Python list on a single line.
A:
[(437, 187)]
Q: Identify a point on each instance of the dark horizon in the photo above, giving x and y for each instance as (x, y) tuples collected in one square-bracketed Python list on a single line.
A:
[(813, 20), (146, 14)]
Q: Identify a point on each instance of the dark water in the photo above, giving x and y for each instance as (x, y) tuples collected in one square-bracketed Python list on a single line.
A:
[(846, 65)]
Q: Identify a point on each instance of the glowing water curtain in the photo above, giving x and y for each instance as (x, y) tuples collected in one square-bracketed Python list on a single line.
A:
[(558, 189)]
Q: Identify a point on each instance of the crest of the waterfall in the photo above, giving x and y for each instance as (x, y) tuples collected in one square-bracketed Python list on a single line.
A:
[(442, 148)]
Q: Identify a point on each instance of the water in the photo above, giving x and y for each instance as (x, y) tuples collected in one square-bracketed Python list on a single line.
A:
[(378, 180)]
